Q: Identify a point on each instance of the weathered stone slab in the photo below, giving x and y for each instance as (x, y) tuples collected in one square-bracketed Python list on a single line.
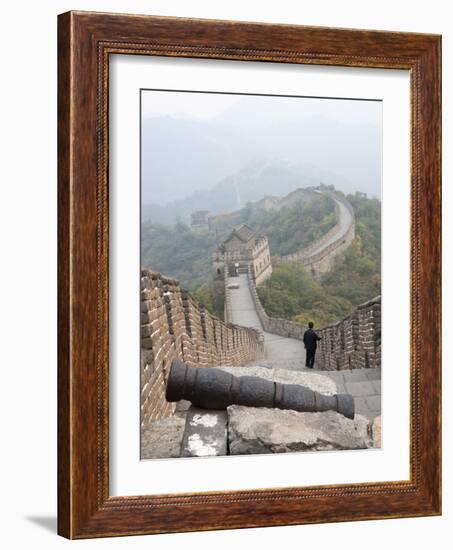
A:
[(316, 382), (373, 374), (362, 408), (205, 433), (341, 387), (374, 403), (261, 372), (162, 438), (360, 389), (337, 375), (260, 430), (358, 375), (182, 406)]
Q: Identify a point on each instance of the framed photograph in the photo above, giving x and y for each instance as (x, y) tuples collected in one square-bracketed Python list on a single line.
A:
[(249, 259)]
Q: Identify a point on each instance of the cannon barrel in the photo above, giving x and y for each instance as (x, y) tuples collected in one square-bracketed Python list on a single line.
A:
[(211, 388)]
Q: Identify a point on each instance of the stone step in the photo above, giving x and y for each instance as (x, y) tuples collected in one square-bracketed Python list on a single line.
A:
[(205, 433), (163, 438), (256, 431), (199, 432)]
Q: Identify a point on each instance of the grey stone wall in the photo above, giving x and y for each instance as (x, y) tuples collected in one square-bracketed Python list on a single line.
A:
[(174, 325), (352, 343), (318, 263)]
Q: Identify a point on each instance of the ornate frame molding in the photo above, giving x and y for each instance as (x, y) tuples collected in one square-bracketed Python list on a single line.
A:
[(85, 41)]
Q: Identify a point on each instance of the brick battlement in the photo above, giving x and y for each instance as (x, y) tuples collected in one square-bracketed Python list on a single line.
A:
[(319, 257), (352, 343), (174, 325)]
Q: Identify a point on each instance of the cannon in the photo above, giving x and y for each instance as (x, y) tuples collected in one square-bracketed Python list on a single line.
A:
[(211, 388)]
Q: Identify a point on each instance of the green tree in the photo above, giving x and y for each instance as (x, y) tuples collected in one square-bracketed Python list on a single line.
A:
[(355, 278)]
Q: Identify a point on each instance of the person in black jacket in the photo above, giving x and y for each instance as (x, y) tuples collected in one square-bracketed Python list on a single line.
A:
[(310, 342)]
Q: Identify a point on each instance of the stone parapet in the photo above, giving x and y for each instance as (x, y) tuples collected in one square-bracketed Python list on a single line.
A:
[(318, 257), (352, 343), (275, 325), (174, 325)]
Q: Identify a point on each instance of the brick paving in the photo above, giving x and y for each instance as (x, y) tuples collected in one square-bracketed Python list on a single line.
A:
[(289, 353)]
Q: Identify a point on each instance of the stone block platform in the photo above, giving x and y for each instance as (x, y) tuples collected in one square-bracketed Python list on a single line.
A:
[(363, 384), (246, 430)]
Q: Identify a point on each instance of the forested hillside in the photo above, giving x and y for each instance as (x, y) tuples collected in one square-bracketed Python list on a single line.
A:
[(177, 252), (294, 227), (358, 277), (290, 293)]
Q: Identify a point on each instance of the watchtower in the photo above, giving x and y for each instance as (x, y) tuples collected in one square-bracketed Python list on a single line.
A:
[(241, 250)]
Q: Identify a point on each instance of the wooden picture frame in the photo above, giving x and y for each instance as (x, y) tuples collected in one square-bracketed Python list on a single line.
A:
[(85, 42)]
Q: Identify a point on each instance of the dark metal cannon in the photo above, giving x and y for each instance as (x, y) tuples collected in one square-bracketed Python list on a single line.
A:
[(211, 388)]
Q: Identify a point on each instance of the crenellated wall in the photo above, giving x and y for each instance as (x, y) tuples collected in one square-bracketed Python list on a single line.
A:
[(352, 343), (174, 325), (319, 257)]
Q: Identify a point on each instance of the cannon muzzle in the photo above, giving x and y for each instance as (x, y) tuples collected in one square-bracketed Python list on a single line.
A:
[(211, 388)]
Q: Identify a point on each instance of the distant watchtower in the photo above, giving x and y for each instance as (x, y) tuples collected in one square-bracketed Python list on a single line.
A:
[(242, 250)]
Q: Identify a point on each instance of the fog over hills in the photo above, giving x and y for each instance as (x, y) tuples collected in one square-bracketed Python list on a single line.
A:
[(253, 182), (241, 148)]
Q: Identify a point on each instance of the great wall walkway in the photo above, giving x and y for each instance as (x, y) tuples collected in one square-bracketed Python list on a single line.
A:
[(174, 325), (289, 353), (319, 256), (345, 220), (281, 352)]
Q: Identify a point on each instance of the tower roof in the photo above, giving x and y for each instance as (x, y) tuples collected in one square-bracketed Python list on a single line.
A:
[(242, 232)]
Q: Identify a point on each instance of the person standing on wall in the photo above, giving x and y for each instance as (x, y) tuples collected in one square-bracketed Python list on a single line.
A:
[(310, 342)]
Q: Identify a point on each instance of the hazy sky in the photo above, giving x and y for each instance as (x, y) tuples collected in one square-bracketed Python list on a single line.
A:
[(204, 106), (186, 105), (192, 140)]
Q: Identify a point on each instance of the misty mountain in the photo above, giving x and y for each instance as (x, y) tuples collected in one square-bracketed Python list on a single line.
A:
[(258, 146), (252, 183), (338, 136), (180, 156)]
